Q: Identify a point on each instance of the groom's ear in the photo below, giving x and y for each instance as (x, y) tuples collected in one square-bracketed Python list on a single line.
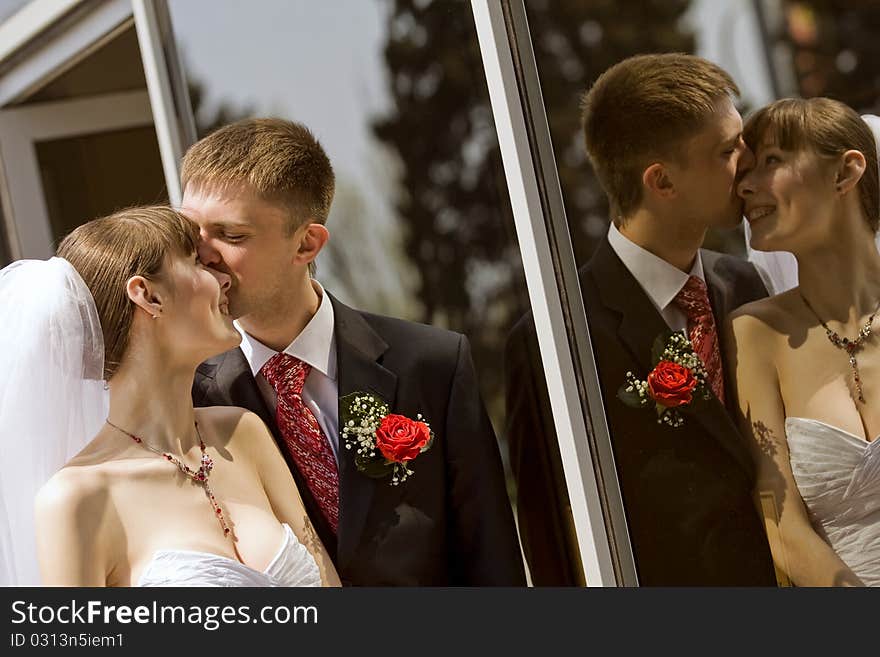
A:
[(849, 171), (144, 295), (312, 239), (657, 181)]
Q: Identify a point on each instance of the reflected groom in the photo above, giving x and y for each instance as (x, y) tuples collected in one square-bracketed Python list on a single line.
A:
[(664, 139), (260, 191)]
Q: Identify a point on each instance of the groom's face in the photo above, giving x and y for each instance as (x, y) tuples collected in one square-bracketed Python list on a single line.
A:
[(246, 238), (714, 158)]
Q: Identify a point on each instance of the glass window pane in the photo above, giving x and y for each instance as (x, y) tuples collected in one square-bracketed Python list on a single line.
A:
[(686, 490), (833, 50), (421, 224)]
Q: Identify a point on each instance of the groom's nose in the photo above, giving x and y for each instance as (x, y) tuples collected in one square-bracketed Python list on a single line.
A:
[(745, 163), (207, 253)]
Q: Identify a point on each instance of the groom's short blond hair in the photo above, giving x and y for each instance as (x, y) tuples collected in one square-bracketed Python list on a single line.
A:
[(280, 161), (645, 108)]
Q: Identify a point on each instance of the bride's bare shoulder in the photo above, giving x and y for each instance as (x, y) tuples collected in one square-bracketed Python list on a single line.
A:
[(80, 488), (231, 426), (764, 318)]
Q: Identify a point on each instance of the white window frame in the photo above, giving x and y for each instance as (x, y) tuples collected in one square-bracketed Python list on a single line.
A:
[(581, 426), (47, 38), (25, 211)]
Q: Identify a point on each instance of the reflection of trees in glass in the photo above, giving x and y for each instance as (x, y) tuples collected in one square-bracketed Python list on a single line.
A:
[(221, 116), (362, 263), (453, 204), (835, 50), (574, 42)]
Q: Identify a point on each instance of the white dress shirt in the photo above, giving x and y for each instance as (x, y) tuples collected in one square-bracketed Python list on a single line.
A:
[(660, 280), (315, 345)]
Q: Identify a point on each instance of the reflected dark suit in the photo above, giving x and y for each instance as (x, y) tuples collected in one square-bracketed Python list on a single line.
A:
[(451, 522), (686, 490)]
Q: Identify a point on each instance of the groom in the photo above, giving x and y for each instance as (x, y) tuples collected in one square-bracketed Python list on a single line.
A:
[(664, 139), (260, 190)]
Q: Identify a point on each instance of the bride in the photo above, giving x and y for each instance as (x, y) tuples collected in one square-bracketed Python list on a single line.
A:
[(807, 361), (161, 494)]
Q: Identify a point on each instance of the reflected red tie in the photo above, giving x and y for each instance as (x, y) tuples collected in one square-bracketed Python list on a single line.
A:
[(303, 438), (693, 299)]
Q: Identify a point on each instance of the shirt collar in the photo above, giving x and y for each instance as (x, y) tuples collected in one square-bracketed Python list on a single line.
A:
[(660, 280), (314, 345)]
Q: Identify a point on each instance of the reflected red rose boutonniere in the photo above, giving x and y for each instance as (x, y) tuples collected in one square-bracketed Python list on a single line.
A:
[(677, 382)]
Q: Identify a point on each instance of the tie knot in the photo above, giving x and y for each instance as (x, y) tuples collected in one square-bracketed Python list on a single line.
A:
[(285, 373), (693, 298)]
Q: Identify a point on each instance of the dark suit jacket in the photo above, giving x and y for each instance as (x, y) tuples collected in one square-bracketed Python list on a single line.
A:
[(451, 522), (686, 490)]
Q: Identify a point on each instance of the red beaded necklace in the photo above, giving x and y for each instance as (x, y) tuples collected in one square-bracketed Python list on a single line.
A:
[(199, 476), (851, 347)]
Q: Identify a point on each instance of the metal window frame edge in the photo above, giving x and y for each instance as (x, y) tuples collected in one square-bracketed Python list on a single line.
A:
[(592, 398), (32, 19), (599, 555), (166, 84)]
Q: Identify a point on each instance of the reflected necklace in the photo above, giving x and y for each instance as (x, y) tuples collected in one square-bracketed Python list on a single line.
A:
[(849, 346), (199, 476)]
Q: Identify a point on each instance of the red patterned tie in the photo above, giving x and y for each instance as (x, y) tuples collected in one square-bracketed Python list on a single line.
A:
[(693, 299), (305, 442)]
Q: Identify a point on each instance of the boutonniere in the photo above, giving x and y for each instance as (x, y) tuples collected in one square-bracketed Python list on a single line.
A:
[(677, 382), (384, 442)]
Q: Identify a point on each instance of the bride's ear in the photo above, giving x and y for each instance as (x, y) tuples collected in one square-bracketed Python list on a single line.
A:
[(143, 293), (849, 171)]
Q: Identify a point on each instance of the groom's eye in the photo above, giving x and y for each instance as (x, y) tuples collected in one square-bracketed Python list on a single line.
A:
[(234, 238)]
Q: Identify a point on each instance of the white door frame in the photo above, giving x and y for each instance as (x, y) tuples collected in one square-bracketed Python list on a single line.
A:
[(24, 203)]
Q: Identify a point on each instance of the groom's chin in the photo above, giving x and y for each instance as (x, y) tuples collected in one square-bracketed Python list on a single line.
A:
[(732, 220)]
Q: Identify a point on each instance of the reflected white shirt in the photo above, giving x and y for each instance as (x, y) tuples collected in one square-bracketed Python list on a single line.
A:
[(660, 280), (315, 345)]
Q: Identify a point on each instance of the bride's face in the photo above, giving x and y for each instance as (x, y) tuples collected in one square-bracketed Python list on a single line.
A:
[(196, 315), (788, 198)]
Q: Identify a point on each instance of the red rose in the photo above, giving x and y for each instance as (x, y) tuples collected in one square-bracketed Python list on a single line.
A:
[(401, 439), (671, 385)]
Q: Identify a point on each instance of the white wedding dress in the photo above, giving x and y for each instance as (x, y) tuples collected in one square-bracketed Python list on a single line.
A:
[(292, 565), (838, 476)]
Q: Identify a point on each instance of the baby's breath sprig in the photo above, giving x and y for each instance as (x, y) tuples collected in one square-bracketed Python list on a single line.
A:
[(671, 347)]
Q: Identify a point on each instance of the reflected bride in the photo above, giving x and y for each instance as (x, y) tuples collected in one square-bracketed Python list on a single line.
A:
[(807, 362)]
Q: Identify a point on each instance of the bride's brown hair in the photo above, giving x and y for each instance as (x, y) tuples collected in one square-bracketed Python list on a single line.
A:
[(106, 252), (826, 127)]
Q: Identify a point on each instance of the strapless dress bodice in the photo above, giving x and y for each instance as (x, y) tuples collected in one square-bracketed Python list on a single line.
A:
[(838, 476), (292, 565)]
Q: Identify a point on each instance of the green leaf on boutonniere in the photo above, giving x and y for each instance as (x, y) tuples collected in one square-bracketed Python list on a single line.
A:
[(630, 398), (383, 444), (633, 392), (659, 346), (373, 467)]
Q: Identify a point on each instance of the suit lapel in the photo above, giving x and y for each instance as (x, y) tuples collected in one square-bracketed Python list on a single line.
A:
[(233, 374), (641, 323), (358, 347), (716, 417)]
